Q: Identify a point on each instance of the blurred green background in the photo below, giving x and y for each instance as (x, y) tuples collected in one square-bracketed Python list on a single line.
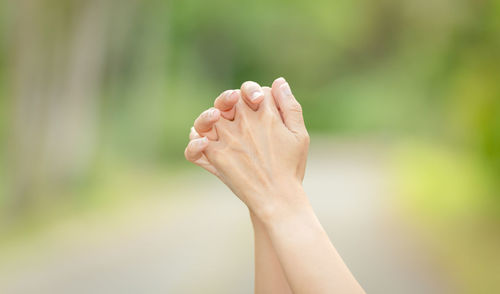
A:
[(97, 98)]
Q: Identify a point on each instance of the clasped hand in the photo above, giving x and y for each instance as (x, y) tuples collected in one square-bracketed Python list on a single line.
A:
[(255, 141)]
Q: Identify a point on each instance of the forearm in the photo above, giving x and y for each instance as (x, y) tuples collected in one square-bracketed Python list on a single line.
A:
[(269, 275), (308, 258)]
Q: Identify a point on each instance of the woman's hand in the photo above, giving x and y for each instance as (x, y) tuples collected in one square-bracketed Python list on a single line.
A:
[(261, 154), (203, 128)]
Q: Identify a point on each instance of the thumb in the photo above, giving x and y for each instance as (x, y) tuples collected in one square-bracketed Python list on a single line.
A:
[(290, 108)]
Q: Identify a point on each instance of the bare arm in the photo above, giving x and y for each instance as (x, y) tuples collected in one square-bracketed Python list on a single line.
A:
[(310, 261), (269, 275), (261, 157)]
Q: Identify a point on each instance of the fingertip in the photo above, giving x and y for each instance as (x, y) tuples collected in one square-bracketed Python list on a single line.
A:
[(248, 85), (285, 89), (227, 100), (195, 147), (199, 143), (203, 144), (212, 114), (252, 91), (232, 98), (193, 134), (216, 113), (276, 89), (279, 81)]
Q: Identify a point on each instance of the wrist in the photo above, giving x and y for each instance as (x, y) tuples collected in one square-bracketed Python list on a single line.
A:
[(284, 201)]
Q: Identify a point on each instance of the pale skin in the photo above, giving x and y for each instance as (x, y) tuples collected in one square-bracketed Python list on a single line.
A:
[(255, 141)]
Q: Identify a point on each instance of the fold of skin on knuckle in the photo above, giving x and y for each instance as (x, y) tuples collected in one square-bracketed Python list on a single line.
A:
[(303, 139), (307, 139), (295, 107)]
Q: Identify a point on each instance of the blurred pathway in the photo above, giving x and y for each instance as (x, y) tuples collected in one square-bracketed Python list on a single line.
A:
[(199, 238)]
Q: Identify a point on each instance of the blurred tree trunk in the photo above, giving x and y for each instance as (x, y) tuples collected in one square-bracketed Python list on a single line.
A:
[(57, 51)]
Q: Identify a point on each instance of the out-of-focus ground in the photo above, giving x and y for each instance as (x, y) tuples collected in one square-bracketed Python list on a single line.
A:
[(197, 237)]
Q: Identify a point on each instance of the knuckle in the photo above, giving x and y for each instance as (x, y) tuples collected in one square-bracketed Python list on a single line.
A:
[(305, 138), (295, 107)]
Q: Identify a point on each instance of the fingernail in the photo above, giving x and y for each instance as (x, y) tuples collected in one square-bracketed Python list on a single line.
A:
[(212, 113), (285, 89), (234, 95), (200, 142), (281, 79), (256, 95)]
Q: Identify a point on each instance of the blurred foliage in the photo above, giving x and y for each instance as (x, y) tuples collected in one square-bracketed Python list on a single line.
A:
[(127, 78)]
